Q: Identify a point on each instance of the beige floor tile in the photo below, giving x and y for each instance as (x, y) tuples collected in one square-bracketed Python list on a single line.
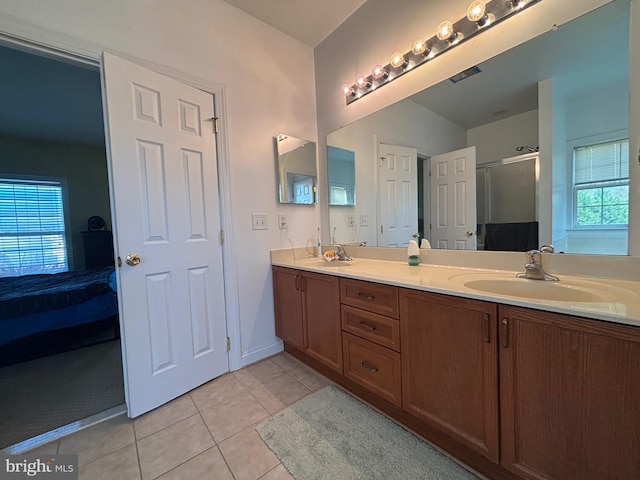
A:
[(309, 377), (172, 446), (247, 455), (121, 464), (286, 361), (258, 373), (209, 464), (278, 473), (98, 440), (227, 419), (46, 449), (279, 393), (168, 414), (219, 390)]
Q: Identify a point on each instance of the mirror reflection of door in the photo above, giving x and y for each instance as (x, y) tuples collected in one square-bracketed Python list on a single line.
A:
[(397, 195), (303, 190), (453, 194)]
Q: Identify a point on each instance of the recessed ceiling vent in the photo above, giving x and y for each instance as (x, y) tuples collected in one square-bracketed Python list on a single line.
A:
[(469, 72)]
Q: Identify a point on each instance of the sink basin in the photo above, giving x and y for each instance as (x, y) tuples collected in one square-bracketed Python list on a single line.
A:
[(539, 290)]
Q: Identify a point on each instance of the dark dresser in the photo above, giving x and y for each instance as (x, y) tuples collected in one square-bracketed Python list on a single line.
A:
[(98, 248)]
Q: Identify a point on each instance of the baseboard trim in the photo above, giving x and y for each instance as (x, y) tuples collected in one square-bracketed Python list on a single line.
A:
[(256, 355)]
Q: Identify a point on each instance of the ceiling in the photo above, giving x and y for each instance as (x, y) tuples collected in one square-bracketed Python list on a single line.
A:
[(579, 55), (43, 98), (309, 21)]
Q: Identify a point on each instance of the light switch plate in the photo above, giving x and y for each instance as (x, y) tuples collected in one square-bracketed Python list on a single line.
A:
[(351, 220), (259, 221), (364, 221)]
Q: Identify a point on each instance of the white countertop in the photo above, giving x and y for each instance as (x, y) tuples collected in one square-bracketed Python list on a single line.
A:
[(606, 299)]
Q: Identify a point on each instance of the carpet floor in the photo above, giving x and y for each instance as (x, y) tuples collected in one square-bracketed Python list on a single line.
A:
[(44, 394), (331, 435)]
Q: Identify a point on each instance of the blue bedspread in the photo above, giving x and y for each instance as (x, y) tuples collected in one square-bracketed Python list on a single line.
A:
[(31, 294)]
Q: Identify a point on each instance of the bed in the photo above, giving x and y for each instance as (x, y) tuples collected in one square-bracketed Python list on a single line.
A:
[(50, 313)]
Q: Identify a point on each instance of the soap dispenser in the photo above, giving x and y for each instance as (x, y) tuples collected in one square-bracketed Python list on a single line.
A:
[(413, 253)]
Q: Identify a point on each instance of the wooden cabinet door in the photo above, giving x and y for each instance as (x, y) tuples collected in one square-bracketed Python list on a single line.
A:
[(288, 305), (322, 325), (449, 366), (570, 396)]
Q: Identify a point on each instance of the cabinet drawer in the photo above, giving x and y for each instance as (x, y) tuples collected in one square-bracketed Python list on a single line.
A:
[(374, 297), (382, 330), (374, 367)]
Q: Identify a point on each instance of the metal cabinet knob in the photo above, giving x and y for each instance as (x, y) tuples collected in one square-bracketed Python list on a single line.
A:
[(132, 259)]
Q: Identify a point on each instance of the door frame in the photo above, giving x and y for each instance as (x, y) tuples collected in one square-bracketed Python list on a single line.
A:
[(71, 50)]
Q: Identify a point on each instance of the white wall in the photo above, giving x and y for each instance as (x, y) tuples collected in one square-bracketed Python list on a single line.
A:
[(405, 123), (380, 27), (575, 125), (269, 88), (497, 140)]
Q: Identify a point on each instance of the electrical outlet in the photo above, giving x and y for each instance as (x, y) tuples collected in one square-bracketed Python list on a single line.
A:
[(282, 221), (364, 221), (350, 220), (259, 221)]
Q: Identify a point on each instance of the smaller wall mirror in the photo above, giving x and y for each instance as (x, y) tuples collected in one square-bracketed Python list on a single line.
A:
[(297, 173), (342, 176)]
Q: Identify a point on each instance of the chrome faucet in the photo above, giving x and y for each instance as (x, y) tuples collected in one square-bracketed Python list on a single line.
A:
[(341, 254), (533, 268)]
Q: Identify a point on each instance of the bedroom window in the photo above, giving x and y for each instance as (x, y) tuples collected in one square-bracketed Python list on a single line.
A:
[(32, 227), (601, 185)]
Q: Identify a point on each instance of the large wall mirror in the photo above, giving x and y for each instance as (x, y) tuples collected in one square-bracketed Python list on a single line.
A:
[(546, 120), (297, 172)]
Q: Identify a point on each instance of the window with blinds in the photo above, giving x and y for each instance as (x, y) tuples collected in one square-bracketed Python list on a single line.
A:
[(32, 227), (601, 184)]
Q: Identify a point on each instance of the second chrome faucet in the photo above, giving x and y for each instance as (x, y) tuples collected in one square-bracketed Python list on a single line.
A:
[(533, 268)]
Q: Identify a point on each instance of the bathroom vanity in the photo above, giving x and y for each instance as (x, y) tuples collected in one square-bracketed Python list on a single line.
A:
[(514, 387)]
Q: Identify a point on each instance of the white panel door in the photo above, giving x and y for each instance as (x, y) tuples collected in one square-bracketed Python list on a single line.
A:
[(165, 202), (397, 195), (453, 200)]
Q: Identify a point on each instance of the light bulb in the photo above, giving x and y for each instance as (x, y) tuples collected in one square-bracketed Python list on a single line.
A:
[(347, 90), (516, 4), (362, 81), (419, 46), (445, 30), (378, 72), (476, 10), (398, 60)]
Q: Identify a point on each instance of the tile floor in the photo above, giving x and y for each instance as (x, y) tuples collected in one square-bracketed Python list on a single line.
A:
[(206, 433)]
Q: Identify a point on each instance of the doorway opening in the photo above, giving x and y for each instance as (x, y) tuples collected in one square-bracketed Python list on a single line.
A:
[(60, 353)]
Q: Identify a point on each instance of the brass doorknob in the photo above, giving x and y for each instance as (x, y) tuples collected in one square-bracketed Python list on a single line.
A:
[(469, 233), (132, 259)]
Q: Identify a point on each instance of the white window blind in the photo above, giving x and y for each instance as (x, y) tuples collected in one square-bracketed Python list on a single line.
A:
[(601, 163), (32, 228), (601, 185)]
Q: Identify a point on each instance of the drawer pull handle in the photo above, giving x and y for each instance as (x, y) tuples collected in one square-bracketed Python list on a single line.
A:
[(366, 296), (366, 326), (368, 366)]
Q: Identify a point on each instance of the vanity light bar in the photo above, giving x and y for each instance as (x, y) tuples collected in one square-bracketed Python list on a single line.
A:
[(448, 36)]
